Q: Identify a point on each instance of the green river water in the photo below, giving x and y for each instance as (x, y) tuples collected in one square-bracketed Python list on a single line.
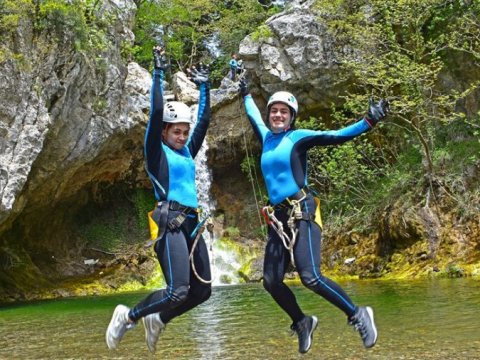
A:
[(429, 319)]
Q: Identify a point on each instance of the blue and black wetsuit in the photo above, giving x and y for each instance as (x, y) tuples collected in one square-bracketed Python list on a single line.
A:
[(172, 173), (284, 168), (233, 68)]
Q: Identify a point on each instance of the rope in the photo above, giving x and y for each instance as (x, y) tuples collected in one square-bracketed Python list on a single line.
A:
[(277, 225), (248, 154), (206, 223)]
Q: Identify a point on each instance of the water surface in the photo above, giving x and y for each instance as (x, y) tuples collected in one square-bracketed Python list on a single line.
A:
[(416, 320)]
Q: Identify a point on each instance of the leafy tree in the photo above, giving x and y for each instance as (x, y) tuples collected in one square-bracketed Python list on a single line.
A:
[(402, 50), (189, 30), (78, 20), (179, 25)]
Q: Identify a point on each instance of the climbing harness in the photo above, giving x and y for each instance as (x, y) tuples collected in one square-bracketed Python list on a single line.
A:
[(295, 213), (158, 219), (197, 232), (294, 210), (158, 225)]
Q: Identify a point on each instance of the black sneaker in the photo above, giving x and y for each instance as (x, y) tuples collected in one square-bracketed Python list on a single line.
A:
[(363, 322), (304, 329)]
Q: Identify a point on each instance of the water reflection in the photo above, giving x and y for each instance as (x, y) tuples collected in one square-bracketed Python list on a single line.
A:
[(416, 320)]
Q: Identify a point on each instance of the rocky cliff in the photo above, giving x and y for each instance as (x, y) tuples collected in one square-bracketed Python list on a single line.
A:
[(72, 125), (70, 120)]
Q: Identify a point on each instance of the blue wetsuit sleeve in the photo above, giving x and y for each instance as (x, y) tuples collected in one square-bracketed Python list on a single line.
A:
[(203, 120), (255, 118), (153, 150), (309, 138)]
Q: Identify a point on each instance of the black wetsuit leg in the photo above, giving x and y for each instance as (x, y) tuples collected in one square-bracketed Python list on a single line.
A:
[(275, 265), (172, 254), (307, 255), (199, 292)]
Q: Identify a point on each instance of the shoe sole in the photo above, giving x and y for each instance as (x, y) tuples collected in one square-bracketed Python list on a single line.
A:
[(372, 321), (310, 335), (145, 326)]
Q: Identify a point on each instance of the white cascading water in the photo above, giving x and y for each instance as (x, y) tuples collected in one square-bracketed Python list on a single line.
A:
[(224, 264)]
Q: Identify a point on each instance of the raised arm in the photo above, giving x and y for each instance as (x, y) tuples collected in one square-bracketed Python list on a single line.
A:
[(309, 138), (153, 135), (253, 114), (200, 76)]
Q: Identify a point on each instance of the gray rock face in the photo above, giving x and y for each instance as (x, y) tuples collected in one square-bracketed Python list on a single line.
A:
[(24, 126), (298, 56), (68, 111)]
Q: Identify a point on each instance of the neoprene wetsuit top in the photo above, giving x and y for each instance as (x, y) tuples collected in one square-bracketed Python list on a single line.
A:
[(284, 160), (171, 171)]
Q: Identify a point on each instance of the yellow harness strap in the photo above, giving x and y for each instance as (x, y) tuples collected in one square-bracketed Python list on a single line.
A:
[(318, 213), (152, 226)]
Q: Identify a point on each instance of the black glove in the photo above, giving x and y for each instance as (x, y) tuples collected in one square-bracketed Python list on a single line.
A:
[(199, 75), (159, 59), (243, 87), (376, 112)]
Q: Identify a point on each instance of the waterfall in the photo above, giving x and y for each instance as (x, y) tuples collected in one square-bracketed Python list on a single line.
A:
[(223, 263)]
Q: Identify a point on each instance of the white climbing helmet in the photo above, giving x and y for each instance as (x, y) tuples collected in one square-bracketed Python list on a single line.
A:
[(177, 112), (286, 98)]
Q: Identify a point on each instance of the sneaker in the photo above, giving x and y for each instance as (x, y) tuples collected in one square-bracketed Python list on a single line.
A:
[(153, 327), (363, 322), (118, 325), (304, 329)]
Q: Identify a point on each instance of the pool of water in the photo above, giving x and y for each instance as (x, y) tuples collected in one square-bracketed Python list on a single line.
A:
[(416, 320)]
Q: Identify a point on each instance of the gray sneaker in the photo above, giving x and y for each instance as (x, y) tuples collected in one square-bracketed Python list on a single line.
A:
[(153, 327), (304, 329), (363, 322), (118, 326)]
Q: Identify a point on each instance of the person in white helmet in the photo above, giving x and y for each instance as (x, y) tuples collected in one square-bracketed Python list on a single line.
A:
[(294, 233), (170, 147)]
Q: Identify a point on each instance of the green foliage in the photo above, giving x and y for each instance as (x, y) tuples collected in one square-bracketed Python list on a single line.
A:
[(238, 19), (402, 50), (231, 232), (263, 32), (345, 175), (100, 105), (144, 202), (310, 123), (260, 232), (250, 167), (179, 26), (78, 23), (105, 236), (107, 230), (110, 225), (12, 12), (454, 271), (188, 30), (79, 20)]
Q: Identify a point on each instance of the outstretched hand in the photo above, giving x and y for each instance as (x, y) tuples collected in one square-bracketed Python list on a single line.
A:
[(199, 74), (243, 87), (377, 111), (160, 60)]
